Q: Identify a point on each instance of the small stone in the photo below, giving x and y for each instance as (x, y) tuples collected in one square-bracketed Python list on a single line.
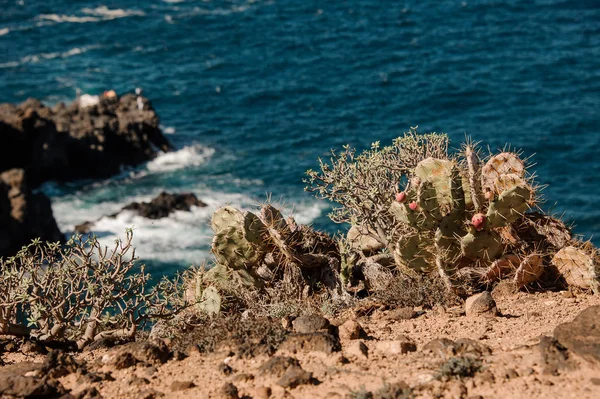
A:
[(511, 374), (402, 314), (439, 346), (88, 393), (350, 330), (224, 368), (311, 342), (148, 371), (262, 393), (309, 324), (481, 304), (295, 376), (277, 365), (137, 381), (357, 350), (123, 360), (467, 346), (396, 347), (228, 391), (182, 385), (567, 294), (242, 377), (505, 289), (150, 394), (29, 348)]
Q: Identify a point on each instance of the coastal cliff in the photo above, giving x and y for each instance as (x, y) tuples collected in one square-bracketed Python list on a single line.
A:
[(66, 143)]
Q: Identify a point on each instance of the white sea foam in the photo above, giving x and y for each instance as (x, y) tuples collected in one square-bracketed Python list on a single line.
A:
[(169, 130), (102, 13), (187, 156), (183, 237), (30, 59), (4, 31), (107, 13), (173, 1), (66, 18)]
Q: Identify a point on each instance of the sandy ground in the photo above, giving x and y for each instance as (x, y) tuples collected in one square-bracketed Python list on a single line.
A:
[(514, 366)]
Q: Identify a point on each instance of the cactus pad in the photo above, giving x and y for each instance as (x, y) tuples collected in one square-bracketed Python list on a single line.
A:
[(578, 267), (530, 270), (226, 217), (414, 253), (234, 249), (509, 206), (505, 163), (210, 301), (484, 245), (439, 173)]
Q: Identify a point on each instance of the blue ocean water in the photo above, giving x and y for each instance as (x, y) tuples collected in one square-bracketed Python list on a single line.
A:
[(252, 92)]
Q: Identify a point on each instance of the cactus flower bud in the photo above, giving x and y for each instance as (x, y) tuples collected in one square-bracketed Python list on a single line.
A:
[(478, 221), (413, 206), (401, 197)]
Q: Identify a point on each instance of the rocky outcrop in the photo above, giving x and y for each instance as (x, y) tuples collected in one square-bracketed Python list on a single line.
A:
[(165, 204), (160, 207), (24, 215), (66, 143)]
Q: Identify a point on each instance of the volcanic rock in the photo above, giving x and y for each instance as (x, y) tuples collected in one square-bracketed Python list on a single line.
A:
[(23, 214), (66, 143)]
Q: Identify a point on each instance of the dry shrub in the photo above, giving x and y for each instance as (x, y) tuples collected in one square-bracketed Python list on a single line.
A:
[(425, 290), (461, 367), (81, 291), (248, 337)]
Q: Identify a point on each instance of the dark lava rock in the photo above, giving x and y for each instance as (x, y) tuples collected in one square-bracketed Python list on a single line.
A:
[(224, 368), (165, 204), (277, 365), (295, 376), (123, 360), (26, 380), (582, 335), (66, 143), (139, 352), (160, 207), (58, 364), (317, 341), (23, 214), (309, 324)]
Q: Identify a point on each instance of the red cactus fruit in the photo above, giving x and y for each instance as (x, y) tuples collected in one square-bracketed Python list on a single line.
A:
[(401, 197), (413, 206), (478, 221)]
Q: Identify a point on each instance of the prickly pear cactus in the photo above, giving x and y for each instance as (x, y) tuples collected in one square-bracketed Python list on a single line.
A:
[(257, 248), (452, 223), (238, 242)]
